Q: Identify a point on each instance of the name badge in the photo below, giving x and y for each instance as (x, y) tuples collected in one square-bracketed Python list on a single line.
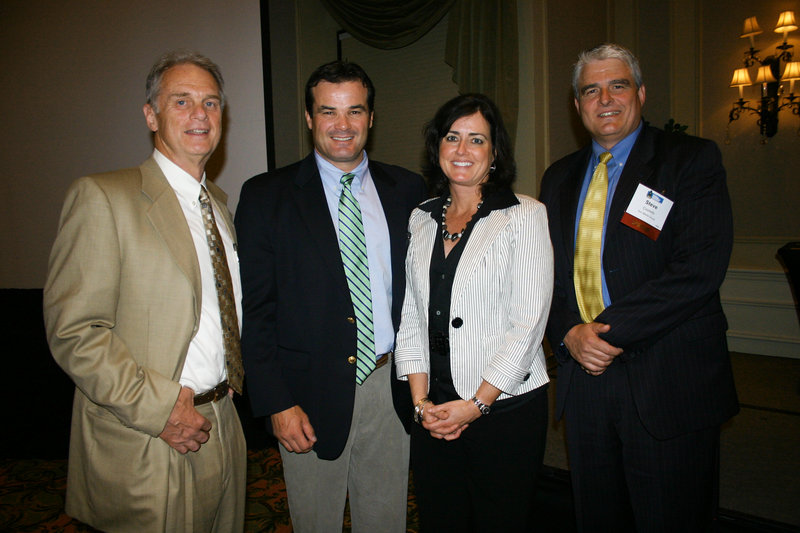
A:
[(647, 211)]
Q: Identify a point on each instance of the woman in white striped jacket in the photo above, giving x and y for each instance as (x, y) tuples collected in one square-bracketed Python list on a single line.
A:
[(479, 280)]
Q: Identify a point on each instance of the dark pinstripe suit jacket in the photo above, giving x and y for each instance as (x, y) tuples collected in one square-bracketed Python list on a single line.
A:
[(665, 311)]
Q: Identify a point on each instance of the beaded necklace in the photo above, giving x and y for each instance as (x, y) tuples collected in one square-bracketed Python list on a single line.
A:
[(446, 235)]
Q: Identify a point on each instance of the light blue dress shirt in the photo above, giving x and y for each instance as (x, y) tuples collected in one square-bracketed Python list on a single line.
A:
[(619, 156), (376, 231)]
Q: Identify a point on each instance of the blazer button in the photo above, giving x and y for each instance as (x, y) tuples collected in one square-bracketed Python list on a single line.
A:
[(457, 322), (351, 320), (351, 359)]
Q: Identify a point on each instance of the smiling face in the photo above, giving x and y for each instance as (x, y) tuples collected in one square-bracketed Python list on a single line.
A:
[(466, 153), (341, 122), (608, 101), (187, 126)]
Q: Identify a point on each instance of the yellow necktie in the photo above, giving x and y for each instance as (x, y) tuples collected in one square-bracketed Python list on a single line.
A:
[(588, 260)]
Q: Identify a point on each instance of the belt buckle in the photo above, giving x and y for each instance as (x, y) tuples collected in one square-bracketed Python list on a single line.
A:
[(220, 391)]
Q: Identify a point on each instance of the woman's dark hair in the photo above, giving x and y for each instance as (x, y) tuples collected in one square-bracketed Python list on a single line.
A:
[(463, 106)]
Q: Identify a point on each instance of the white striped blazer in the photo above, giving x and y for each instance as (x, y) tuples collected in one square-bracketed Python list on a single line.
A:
[(502, 292)]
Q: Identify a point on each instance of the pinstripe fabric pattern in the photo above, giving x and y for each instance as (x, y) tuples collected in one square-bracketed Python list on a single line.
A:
[(501, 291), (353, 247)]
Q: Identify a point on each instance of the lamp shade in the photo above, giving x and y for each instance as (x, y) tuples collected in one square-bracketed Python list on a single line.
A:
[(765, 75), (750, 28), (786, 22), (741, 78), (792, 71)]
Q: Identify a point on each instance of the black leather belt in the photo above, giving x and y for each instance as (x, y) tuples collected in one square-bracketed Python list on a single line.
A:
[(217, 393)]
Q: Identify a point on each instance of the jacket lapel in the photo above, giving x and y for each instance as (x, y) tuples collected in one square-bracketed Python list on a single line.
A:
[(221, 212), (312, 207), (570, 192), (423, 245), (167, 218), (638, 169), (484, 233)]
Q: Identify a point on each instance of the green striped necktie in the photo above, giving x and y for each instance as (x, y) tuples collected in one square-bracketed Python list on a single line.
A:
[(353, 247)]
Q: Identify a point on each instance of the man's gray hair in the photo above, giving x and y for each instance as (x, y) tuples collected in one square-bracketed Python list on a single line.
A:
[(601, 52), (172, 59)]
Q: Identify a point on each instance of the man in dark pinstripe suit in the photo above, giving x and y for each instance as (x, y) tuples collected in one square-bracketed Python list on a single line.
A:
[(646, 383)]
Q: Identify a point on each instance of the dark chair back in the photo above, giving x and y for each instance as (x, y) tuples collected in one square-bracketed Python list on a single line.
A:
[(790, 255)]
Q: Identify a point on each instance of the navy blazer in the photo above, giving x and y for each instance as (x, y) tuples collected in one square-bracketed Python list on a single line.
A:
[(665, 310), (295, 334)]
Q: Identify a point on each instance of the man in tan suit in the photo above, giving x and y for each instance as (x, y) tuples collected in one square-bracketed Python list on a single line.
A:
[(133, 315)]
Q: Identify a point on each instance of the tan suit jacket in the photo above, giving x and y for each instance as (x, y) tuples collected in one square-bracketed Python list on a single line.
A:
[(122, 302)]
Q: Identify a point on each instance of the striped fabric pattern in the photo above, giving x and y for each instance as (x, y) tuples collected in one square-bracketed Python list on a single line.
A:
[(501, 292), (353, 247)]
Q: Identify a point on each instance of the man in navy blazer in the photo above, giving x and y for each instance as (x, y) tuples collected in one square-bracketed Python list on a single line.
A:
[(646, 383), (299, 337)]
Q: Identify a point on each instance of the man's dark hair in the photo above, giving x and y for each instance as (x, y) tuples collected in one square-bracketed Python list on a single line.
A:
[(339, 72)]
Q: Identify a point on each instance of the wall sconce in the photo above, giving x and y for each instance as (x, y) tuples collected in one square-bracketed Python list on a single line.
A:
[(769, 72)]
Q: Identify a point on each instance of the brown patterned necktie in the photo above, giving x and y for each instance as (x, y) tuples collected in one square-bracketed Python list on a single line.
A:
[(227, 304)]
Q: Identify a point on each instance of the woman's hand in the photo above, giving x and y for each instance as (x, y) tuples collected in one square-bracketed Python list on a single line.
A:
[(448, 420)]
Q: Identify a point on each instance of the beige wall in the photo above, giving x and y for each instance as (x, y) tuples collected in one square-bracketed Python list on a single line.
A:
[(73, 75), (75, 86), (764, 179)]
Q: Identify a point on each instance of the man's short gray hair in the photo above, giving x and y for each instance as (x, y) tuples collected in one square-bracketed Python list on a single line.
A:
[(172, 59), (601, 52)]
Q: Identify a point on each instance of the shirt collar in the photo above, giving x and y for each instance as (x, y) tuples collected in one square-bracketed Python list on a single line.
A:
[(501, 199), (185, 186), (619, 151), (332, 175)]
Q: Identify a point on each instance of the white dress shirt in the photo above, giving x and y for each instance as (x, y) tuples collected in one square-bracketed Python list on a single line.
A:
[(205, 361)]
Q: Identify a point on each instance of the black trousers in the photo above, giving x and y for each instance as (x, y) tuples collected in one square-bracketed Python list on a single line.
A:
[(485, 480), (623, 479)]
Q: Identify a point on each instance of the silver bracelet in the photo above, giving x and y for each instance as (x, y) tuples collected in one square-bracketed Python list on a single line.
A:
[(419, 409)]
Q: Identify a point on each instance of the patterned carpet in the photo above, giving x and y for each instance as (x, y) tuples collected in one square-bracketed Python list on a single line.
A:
[(32, 496), (32, 500)]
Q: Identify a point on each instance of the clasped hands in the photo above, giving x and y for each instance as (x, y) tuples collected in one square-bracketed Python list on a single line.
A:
[(448, 420), (591, 352)]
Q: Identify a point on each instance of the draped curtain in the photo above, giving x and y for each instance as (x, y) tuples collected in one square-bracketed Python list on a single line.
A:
[(481, 46), (483, 49), (387, 24)]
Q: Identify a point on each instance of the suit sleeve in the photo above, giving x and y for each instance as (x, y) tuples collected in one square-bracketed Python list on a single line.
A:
[(695, 263), (80, 302), (529, 300), (265, 384)]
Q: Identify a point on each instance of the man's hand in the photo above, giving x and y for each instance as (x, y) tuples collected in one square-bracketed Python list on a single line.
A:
[(186, 429), (588, 349), (293, 429)]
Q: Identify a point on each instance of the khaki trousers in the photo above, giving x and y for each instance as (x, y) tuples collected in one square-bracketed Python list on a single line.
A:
[(207, 487), (373, 469)]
